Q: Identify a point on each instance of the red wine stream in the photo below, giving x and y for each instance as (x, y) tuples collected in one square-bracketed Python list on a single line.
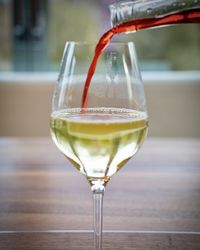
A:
[(187, 16)]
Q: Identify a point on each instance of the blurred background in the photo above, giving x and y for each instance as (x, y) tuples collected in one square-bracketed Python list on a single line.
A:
[(32, 38)]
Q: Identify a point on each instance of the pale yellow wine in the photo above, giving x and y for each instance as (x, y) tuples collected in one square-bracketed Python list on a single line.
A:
[(98, 141)]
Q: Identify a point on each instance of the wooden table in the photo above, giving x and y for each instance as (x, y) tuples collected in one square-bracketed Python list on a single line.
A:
[(153, 203)]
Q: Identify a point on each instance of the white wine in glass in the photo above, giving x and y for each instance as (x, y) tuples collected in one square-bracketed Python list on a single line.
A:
[(101, 137)]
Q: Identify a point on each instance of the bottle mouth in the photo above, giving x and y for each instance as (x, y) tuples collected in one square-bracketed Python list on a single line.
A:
[(122, 11), (113, 15)]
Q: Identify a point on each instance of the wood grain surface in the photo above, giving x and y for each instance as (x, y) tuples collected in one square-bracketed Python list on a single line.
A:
[(152, 203)]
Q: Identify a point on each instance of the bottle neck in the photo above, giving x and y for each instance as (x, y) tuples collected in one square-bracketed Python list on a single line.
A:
[(129, 10)]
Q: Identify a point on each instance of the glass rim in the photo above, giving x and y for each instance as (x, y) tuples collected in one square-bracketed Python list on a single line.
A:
[(95, 43)]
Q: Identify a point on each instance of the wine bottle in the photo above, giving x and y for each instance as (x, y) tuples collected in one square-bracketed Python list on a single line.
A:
[(130, 10)]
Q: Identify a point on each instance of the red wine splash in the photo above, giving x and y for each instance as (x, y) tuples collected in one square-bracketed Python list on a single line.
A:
[(187, 16)]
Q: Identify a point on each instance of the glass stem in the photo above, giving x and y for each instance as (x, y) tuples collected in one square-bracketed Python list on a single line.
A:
[(98, 193)]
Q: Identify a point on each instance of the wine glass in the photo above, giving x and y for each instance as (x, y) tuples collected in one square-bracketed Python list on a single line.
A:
[(101, 137)]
